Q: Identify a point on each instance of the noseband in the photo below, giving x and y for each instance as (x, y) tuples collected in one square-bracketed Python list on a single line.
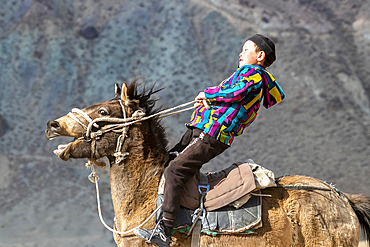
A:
[(82, 114)]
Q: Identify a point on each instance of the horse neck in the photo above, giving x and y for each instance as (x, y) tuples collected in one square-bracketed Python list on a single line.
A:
[(134, 182)]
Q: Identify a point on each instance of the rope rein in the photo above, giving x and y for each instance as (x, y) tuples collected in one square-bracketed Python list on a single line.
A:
[(137, 116), (94, 178)]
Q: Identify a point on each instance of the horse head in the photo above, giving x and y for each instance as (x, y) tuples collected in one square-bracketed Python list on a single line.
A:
[(98, 130)]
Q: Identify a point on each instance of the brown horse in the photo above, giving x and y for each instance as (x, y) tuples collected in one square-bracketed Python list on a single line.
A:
[(290, 217)]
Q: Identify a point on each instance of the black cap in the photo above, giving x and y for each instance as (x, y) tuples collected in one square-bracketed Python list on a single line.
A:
[(266, 45)]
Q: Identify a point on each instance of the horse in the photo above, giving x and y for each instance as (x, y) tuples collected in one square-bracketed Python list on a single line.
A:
[(137, 155)]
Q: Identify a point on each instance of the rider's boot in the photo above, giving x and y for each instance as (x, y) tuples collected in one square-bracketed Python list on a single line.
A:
[(159, 235)]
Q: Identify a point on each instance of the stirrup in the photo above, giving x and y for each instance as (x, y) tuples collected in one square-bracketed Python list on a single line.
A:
[(156, 235)]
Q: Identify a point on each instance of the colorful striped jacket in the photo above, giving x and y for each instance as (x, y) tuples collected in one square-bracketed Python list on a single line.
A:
[(235, 103)]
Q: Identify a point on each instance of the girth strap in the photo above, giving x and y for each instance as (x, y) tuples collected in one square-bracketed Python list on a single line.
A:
[(195, 235)]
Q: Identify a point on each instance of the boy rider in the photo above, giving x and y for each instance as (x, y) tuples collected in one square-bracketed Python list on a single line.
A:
[(227, 110)]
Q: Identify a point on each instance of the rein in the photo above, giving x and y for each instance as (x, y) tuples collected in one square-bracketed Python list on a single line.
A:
[(94, 178), (137, 116)]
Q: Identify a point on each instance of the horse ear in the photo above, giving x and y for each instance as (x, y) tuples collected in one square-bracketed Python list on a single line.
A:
[(117, 91), (124, 96)]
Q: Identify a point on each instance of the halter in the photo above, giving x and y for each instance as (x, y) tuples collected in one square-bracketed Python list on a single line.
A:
[(116, 125)]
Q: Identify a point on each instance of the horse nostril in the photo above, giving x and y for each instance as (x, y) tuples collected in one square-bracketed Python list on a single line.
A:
[(53, 125)]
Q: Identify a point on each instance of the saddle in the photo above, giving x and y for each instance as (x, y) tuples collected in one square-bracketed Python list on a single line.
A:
[(229, 204)]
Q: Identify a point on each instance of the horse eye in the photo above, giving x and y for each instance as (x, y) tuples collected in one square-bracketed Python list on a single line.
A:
[(103, 112)]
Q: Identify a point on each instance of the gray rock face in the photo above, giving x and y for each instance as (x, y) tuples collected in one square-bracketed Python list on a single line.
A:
[(56, 55)]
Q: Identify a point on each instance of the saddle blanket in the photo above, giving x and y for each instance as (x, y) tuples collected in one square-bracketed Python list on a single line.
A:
[(230, 207), (227, 219), (228, 186)]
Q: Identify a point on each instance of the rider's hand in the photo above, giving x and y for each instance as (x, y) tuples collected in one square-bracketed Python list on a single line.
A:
[(197, 104), (201, 96), (201, 100)]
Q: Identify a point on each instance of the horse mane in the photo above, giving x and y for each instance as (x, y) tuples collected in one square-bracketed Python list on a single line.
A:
[(144, 96)]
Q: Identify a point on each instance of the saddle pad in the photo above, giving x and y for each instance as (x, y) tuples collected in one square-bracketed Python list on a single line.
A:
[(227, 219)]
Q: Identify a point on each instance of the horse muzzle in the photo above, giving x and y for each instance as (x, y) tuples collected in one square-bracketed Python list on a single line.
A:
[(53, 129)]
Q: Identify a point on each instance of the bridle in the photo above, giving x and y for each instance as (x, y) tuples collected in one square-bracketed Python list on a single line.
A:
[(118, 125)]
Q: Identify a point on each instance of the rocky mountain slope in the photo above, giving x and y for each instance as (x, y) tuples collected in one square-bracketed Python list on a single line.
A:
[(56, 55)]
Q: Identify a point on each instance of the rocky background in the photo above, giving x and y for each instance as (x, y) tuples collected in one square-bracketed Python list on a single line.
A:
[(60, 54)]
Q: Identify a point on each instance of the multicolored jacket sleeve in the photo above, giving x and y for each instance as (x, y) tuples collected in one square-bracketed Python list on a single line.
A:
[(235, 87)]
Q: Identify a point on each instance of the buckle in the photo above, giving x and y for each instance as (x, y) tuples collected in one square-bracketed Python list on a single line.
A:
[(206, 187)]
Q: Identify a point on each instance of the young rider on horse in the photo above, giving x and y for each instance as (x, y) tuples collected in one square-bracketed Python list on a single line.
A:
[(222, 112)]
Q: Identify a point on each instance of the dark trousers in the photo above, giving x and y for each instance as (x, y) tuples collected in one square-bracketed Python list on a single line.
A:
[(195, 150)]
